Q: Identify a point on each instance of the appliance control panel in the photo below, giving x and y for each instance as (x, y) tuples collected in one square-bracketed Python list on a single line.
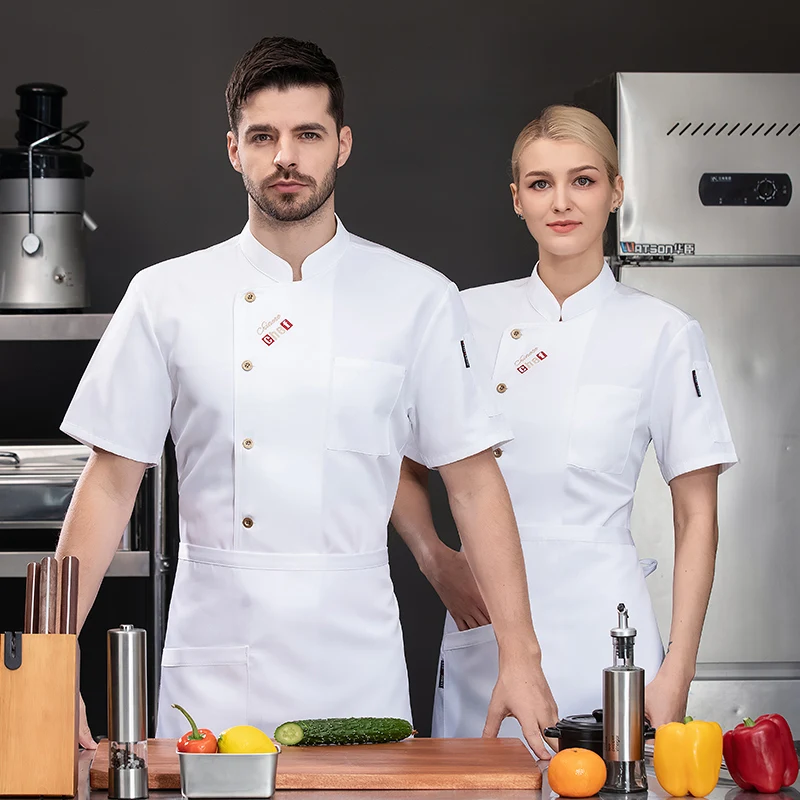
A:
[(745, 189)]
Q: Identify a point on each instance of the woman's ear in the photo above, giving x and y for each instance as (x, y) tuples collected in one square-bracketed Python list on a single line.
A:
[(618, 193), (515, 199)]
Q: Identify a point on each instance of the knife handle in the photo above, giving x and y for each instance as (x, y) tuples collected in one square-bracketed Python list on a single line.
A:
[(32, 598), (48, 594), (68, 616)]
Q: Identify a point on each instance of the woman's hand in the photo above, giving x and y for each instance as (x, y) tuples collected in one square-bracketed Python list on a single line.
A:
[(666, 695), (451, 577)]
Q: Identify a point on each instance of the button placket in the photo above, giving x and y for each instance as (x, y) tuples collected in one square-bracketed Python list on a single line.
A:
[(502, 388)]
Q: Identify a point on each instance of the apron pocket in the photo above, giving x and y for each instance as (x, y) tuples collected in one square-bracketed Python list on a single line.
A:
[(603, 423), (211, 683), (468, 673), (363, 396)]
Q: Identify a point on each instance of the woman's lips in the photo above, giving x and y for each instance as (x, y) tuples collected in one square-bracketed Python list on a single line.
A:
[(563, 227)]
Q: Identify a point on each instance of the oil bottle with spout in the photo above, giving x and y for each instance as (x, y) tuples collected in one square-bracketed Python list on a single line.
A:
[(623, 714)]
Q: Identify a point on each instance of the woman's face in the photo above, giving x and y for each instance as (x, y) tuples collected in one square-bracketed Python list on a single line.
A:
[(565, 196)]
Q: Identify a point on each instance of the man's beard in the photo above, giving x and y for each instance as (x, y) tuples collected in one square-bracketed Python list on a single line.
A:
[(286, 207)]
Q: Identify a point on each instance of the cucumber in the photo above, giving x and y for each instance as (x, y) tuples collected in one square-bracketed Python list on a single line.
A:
[(343, 730)]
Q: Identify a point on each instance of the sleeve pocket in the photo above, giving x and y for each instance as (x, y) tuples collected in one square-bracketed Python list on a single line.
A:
[(363, 396), (603, 424), (712, 402)]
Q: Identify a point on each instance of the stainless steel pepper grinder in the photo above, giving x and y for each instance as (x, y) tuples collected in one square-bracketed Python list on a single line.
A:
[(623, 714), (127, 713)]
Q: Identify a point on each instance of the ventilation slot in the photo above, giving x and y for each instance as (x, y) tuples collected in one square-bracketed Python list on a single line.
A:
[(764, 128)]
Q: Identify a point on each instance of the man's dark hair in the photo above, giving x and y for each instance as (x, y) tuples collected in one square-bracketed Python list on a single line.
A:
[(278, 62)]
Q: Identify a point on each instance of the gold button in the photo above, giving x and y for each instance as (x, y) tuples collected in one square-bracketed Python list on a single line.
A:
[(247, 522), (501, 387), (498, 452), (516, 333), (250, 297), (247, 365), (247, 444)]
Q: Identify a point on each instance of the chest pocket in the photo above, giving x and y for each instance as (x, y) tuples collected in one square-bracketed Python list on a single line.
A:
[(363, 396), (603, 424)]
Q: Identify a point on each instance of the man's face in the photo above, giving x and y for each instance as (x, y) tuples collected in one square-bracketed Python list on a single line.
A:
[(288, 152)]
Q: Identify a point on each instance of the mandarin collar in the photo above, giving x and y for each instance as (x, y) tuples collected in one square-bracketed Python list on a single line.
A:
[(316, 263), (543, 300)]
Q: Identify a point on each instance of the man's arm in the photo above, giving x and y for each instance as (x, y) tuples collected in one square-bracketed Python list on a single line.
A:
[(482, 511), (98, 513), (694, 504), (446, 569)]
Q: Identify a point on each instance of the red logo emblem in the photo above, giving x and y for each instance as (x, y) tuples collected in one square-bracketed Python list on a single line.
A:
[(522, 368), (285, 324), (541, 356), (268, 340)]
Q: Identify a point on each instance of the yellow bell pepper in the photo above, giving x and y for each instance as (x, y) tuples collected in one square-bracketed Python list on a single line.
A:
[(688, 757)]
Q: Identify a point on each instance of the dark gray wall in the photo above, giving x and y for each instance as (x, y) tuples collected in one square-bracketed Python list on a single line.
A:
[(436, 93)]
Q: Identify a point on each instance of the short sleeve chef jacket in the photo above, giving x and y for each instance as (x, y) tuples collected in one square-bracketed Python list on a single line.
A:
[(586, 387), (290, 403)]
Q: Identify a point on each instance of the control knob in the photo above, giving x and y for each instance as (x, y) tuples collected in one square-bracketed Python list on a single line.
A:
[(766, 189)]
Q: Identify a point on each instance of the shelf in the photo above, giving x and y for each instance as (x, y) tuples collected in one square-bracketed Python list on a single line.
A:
[(52, 327), (125, 564)]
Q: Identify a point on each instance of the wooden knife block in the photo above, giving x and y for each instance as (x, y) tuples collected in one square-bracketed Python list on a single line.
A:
[(39, 717)]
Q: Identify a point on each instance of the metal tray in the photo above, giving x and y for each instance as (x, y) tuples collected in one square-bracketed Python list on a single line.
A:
[(228, 775)]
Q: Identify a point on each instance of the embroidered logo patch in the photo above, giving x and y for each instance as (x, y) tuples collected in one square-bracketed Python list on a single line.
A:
[(530, 360), (269, 334)]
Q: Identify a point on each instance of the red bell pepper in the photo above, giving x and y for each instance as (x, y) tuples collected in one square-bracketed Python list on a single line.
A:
[(197, 740), (760, 755)]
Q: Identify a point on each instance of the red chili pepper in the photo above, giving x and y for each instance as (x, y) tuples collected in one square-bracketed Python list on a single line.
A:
[(197, 740), (760, 755)]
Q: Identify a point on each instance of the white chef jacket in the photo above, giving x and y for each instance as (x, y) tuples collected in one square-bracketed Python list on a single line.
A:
[(290, 405), (585, 387)]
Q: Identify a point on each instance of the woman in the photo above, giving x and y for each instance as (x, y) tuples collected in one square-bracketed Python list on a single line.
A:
[(588, 372)]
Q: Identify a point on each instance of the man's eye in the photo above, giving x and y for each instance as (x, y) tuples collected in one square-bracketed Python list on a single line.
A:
[(309, 135), (261, 137)]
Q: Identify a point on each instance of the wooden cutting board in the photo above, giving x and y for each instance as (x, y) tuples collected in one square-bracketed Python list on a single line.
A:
[(412, 764)]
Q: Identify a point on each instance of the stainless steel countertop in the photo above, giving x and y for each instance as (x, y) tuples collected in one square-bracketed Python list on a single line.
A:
[(726, 790)]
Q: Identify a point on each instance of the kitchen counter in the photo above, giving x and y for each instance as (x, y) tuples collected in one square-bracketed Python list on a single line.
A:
[(726, 790)]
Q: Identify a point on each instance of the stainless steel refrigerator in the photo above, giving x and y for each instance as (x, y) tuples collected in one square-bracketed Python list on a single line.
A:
[(711, 223)]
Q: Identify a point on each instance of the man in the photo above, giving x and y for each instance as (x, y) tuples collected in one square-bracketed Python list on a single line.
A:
[(292, 365)]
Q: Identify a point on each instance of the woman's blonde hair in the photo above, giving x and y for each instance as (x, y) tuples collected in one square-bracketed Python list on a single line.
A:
[(568, 123)]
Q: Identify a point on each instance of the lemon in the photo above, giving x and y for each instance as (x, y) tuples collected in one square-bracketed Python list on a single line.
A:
[(245, 739)]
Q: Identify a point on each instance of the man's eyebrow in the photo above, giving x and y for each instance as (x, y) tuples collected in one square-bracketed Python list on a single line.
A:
[(267, 128)]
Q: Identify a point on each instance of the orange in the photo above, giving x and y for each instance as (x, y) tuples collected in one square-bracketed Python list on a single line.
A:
[(576, 773)]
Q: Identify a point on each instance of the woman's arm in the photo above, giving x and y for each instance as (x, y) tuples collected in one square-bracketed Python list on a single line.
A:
[(694, 504), (446, 570)]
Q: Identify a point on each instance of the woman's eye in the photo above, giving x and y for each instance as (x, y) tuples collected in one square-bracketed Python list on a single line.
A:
[(540, 184), (583, 180)]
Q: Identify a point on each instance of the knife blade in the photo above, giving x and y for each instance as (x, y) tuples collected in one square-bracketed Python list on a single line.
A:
[(31, 624), (48, 595), (68, 616)]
